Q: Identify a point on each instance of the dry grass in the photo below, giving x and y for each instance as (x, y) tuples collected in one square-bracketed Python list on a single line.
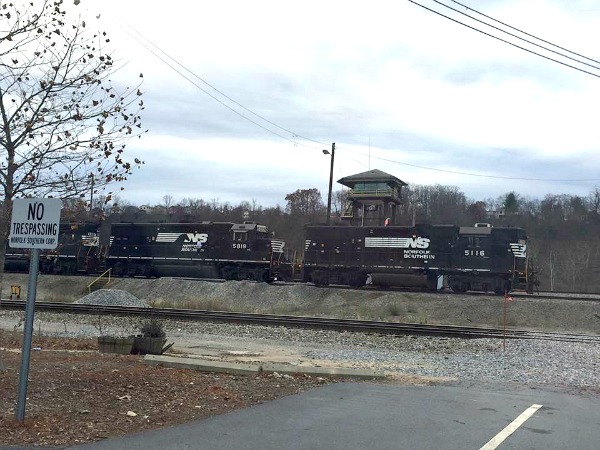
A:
[(77, 395)]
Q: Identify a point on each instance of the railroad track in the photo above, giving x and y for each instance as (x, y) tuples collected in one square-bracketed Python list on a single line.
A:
[(520, 294), (558, 296), (350, 325)]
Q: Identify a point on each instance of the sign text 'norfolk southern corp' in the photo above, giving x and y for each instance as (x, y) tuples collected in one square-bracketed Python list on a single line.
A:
[(35, 223)]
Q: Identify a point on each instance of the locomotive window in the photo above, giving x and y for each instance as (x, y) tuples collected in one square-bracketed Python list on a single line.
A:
[(239, 236), (474, 241)]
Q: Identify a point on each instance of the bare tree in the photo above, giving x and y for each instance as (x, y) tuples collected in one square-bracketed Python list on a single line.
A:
[(64, 123), (167, 203), (594, 200), (338, 201)]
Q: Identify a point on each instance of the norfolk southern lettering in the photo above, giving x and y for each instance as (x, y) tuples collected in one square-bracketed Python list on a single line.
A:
[(39, 233)]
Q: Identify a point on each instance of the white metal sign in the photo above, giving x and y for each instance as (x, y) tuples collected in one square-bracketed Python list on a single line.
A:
[(35, 223)]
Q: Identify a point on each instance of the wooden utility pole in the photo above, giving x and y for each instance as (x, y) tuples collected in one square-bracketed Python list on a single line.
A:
[(330, 182)]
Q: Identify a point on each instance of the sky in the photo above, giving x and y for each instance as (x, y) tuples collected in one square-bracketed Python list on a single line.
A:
[(242, 97)]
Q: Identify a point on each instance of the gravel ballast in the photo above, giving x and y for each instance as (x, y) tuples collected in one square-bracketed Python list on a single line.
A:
[(522, 361), (532, 313), (531, 362)]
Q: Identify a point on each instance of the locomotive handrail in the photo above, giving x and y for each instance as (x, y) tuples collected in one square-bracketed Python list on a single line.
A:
[(107, 271)]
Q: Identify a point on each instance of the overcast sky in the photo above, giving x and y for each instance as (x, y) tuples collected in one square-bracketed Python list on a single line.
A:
[(397, 87)]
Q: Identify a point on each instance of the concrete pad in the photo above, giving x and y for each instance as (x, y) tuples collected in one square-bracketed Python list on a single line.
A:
[(204, 365), (323, 371)]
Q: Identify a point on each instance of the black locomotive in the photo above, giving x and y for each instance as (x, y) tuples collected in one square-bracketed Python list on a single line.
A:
[(233, 251), (481, 257), (78, 251)]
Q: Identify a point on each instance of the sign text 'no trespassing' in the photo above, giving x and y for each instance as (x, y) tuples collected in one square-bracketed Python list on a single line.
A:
[(35, 223)]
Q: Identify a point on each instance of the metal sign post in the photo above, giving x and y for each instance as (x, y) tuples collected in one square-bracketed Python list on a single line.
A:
[(35, 225), (27, 333)]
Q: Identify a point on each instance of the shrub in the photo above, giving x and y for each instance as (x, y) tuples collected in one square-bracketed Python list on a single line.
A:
[(393, 309), (152, 328)]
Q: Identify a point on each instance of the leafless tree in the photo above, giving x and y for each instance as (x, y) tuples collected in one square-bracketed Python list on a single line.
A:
[(338, 201), (167, 203), (64, 123), (594, 200)]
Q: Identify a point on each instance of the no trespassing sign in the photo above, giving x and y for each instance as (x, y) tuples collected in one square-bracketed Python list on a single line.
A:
[(35, 223)]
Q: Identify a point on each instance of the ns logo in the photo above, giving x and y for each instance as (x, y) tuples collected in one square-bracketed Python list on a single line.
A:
[(416, 242), (196, 237)]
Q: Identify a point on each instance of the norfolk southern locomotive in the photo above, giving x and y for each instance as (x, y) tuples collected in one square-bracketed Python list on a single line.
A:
[(232, 251), (482, 257)]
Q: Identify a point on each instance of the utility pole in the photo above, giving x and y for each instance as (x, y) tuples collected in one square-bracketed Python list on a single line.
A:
[(330, 182)]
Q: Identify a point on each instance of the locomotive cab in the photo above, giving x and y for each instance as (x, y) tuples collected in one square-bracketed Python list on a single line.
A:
[(487, 258)]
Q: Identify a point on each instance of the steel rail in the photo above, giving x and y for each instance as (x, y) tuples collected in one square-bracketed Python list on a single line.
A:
[(575, 296), (323, 323), (562, 296)]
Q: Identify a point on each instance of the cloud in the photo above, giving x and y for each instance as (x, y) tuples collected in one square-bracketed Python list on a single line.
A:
[(423, 90)]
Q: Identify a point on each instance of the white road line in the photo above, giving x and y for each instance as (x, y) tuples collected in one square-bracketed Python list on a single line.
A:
[(511, 428)]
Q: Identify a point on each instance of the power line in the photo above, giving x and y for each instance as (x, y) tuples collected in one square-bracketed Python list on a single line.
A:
[(482, 175), (524, 32), (294, 134), (518, 37), (503, 40)]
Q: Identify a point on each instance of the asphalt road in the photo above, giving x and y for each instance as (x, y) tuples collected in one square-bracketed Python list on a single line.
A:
[(381, 416)]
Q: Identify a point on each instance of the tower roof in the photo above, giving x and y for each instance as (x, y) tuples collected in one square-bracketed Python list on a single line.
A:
[(371, 176)]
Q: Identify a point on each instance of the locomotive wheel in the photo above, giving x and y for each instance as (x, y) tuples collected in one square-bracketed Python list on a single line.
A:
[(148, 271), (259, 275), (503, 288), (231, 273), (71, 268), (320, 278), (119, 270), (357, 280), (227, 273), (458, 287), (266, 277)]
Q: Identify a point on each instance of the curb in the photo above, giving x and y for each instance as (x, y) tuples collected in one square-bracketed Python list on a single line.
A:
[(251, 369), (199, 364), (323, 371)]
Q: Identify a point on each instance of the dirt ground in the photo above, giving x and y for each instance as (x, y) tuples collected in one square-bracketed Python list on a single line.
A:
[(77, 395)]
